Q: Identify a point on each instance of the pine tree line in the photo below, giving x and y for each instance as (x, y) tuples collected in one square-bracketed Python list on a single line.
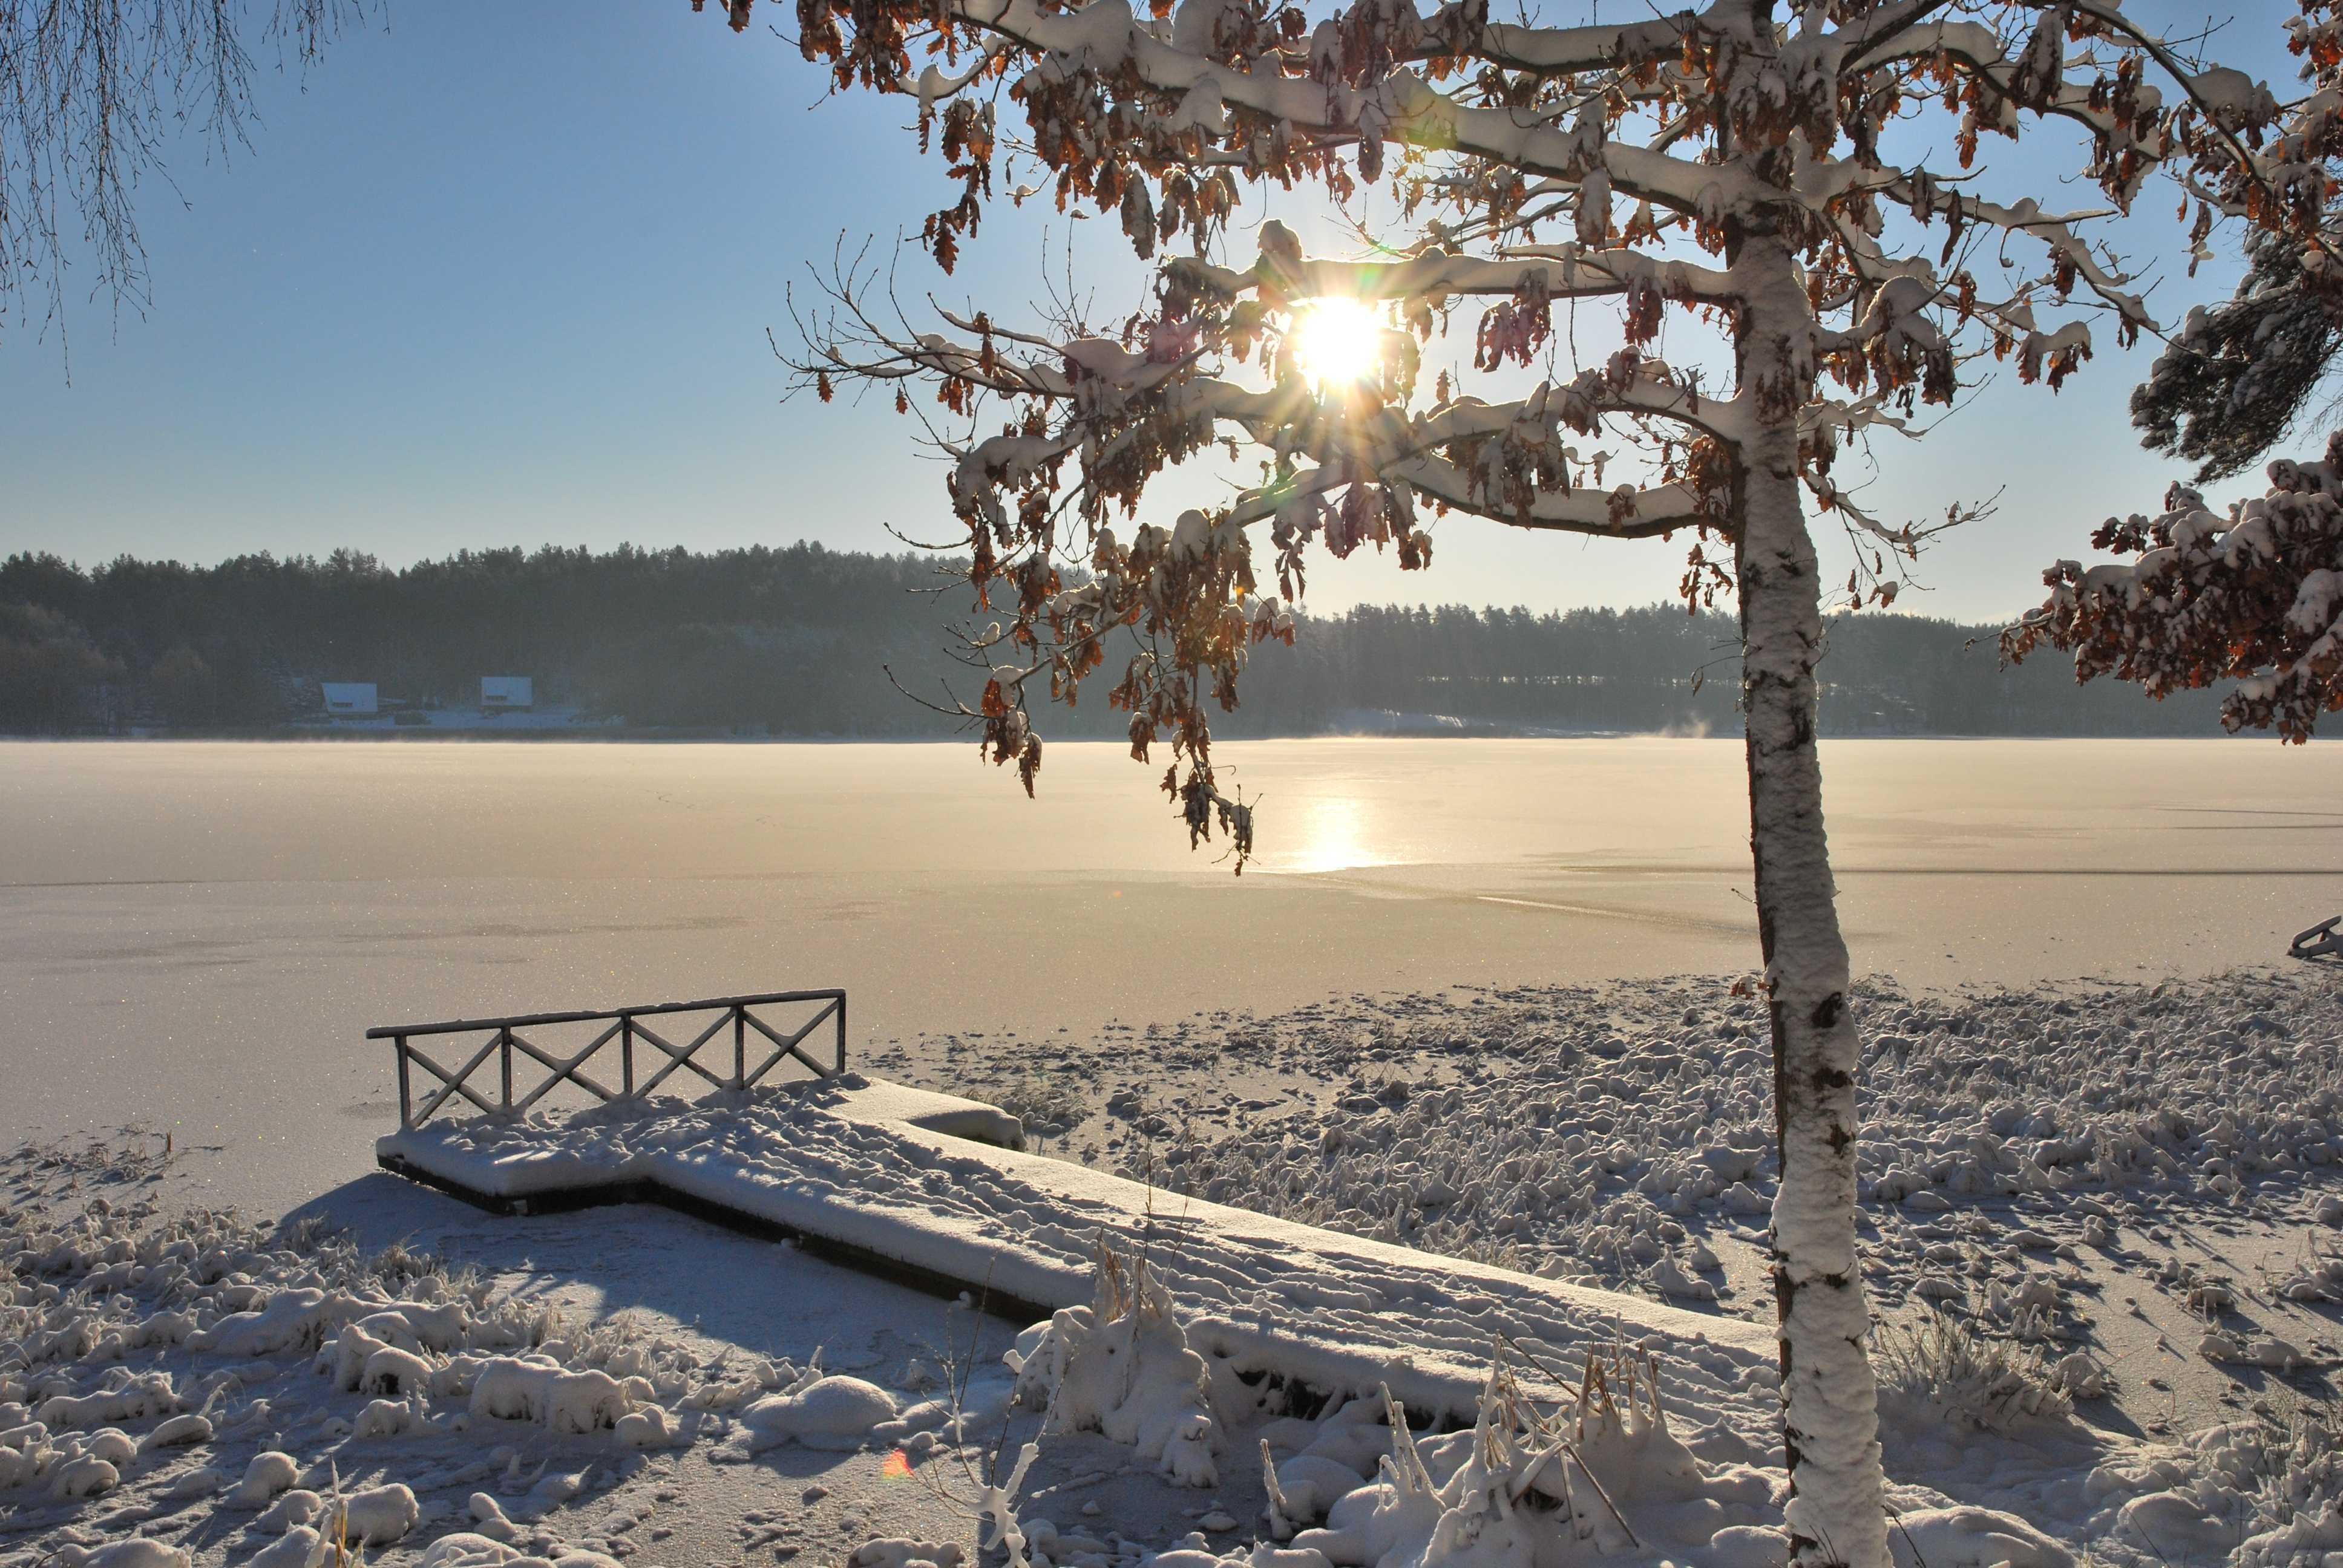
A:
[(805, 640)]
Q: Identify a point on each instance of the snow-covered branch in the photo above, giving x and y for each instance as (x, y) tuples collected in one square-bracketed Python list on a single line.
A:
[(1105, 39), (2253, 596)]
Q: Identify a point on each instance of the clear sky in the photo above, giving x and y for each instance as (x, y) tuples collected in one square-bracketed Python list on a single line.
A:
[(502, 274)]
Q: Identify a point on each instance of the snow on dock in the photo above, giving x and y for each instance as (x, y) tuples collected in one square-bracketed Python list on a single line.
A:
[(900, 1176)]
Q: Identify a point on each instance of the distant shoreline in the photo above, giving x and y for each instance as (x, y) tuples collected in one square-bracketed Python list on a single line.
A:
[(806, 642)]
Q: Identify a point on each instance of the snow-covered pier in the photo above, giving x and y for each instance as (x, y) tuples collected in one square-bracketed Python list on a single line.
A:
[(916, 1185)]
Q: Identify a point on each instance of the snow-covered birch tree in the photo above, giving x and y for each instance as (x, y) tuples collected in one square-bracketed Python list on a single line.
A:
[(1796, 182)]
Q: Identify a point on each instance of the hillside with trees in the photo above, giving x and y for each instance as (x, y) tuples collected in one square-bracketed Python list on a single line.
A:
[(798, 640)]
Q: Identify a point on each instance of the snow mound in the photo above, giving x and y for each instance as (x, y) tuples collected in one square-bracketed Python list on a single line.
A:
[(899, 1552), (1972, 1538), (131, 1553), (818, 1412), (376, 1516), (1121, 1366), (469, 1550), (540, 1390)]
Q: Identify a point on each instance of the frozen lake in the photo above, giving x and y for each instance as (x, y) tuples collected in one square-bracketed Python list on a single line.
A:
[(196, 935)]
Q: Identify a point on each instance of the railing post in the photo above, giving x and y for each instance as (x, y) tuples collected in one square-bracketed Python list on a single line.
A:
[(406, 1093), (626, 1052), (842, 1033), (504, 1049), (739, 1046)]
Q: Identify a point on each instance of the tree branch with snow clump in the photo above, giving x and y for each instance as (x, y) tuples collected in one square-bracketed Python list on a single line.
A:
[(1724, 181), (2232, 382), (2255, 596)]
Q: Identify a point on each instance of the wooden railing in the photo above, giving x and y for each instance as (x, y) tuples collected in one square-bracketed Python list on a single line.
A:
[(625, 1029)]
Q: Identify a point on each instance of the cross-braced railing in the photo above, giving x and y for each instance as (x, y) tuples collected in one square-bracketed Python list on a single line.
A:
[(626, 1029)]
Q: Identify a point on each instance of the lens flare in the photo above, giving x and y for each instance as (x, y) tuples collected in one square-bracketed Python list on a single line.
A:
[(1337, 342)]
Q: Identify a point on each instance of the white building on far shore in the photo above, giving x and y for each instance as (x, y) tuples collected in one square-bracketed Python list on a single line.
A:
[(502, 692), (349, 699)]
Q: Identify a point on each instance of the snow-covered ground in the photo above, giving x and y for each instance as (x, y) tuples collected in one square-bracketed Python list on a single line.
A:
[(1259, 1298), (195, 1389), (2101, 1226), (2095, 1215), (712, 1322)]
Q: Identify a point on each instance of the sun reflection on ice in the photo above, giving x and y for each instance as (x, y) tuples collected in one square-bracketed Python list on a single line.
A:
[(1328, 833)]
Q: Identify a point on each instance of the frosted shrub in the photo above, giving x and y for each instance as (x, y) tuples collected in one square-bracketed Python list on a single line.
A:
[(1121, 1366), (2293, 1473), (1945, 1366)]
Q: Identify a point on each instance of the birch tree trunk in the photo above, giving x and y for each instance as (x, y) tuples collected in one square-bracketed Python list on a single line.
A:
[(1830, 1420)]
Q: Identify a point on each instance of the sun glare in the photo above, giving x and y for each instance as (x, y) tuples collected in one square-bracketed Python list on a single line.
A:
[(1335, 341), (1329, 833)]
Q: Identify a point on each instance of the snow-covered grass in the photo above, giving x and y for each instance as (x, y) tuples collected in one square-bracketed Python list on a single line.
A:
[(1590, 1132), (2089, 1210), (185, 1383), (2292, 1473), (1046, 1105), (1942, 1366)]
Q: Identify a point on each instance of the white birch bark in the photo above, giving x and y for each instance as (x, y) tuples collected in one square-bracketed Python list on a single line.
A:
[(1830, 1419)]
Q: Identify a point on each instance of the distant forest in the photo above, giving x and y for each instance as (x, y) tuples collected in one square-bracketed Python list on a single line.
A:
[(791, 642)]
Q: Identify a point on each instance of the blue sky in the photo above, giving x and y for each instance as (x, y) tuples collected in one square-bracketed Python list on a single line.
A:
[(502, 275)]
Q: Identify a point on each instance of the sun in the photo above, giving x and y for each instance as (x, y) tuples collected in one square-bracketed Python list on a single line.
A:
[(1337, 342)]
